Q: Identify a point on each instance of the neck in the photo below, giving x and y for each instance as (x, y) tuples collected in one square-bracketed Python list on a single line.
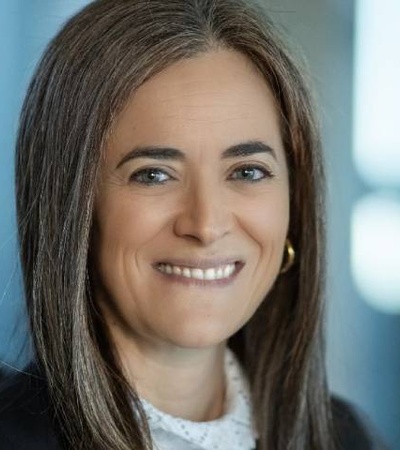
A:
[(186, 383)]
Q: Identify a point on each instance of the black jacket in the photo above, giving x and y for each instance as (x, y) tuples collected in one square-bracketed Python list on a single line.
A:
[(26, 421)]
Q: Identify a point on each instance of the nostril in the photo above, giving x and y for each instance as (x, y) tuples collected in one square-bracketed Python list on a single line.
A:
[(203, 221)]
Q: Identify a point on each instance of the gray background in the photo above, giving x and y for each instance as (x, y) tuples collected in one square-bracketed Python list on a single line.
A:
[(363, 344)]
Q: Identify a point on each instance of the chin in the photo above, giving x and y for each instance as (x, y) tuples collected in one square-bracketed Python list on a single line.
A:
[(196, 335)]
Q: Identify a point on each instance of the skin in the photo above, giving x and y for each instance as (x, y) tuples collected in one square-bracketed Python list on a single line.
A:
[(200, 209)]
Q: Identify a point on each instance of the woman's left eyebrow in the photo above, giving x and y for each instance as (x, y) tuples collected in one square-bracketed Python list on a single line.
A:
[(235, 151), (247, 149)]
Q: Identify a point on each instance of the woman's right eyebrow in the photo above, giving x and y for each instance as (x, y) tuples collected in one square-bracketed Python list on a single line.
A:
[(152, 152)]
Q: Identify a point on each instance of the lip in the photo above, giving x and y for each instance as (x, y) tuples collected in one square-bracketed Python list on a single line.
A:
[(203, 264)]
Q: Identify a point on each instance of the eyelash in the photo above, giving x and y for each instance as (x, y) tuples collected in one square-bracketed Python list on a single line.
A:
[(265, 173), (138, 176)]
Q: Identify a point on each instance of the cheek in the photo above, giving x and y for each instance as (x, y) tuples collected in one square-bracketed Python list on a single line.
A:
[(126, 224), (266, 219), (267, 225)]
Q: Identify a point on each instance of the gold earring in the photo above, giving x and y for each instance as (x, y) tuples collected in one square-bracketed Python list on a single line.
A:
[(291, 255)]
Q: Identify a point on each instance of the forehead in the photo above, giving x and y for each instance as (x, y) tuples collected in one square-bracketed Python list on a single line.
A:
[(215, 98)]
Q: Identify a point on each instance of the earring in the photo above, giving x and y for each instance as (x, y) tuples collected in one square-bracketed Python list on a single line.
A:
[(291, 255)]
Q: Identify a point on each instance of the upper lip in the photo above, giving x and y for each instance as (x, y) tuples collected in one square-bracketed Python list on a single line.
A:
[(199, 263)]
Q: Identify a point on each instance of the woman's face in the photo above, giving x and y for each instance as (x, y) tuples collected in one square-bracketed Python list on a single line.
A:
[(192, 208)]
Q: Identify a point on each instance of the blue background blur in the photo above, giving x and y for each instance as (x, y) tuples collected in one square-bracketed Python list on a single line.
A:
[(363, 342)]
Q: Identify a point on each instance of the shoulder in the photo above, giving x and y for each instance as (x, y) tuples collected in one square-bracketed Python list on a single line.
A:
[(352, 430), (26, 421)]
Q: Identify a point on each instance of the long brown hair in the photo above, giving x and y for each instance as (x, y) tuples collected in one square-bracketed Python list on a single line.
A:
[(90, 69)]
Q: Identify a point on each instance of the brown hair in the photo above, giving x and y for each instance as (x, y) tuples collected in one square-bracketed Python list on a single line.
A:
[(87, 73)]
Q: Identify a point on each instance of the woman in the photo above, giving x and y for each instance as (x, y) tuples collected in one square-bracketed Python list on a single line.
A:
[(170, 211)]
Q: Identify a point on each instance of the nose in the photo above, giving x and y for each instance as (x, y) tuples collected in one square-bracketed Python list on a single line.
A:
[(205, 215)]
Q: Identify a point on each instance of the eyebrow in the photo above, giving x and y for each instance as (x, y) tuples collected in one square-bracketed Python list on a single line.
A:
[(168, 153), (247, 149)]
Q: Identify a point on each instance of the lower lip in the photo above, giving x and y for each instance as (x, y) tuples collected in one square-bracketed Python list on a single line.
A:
[(202, 283)]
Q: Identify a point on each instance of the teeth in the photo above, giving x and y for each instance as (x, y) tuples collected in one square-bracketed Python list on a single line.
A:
[(198, 274), (175, 270), (228, 270), (212, 273)]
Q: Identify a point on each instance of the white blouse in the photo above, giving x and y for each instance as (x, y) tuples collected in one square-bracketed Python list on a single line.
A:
[(233, 431)]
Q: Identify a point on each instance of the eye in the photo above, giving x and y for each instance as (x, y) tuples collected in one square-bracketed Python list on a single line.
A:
[(149, 176), (250, 173)]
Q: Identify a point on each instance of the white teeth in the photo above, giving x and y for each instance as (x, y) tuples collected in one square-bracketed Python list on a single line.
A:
[(212, 273), (176, 270), (198, 274), (228, 270)]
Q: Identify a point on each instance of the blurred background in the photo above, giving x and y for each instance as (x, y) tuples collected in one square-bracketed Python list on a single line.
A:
[(353, 53)]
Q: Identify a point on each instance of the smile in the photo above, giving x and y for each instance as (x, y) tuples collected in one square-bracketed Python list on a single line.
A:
[(221, 272)]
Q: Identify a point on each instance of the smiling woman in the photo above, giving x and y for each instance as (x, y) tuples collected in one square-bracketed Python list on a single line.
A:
[(189, 234), (170, 194)]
